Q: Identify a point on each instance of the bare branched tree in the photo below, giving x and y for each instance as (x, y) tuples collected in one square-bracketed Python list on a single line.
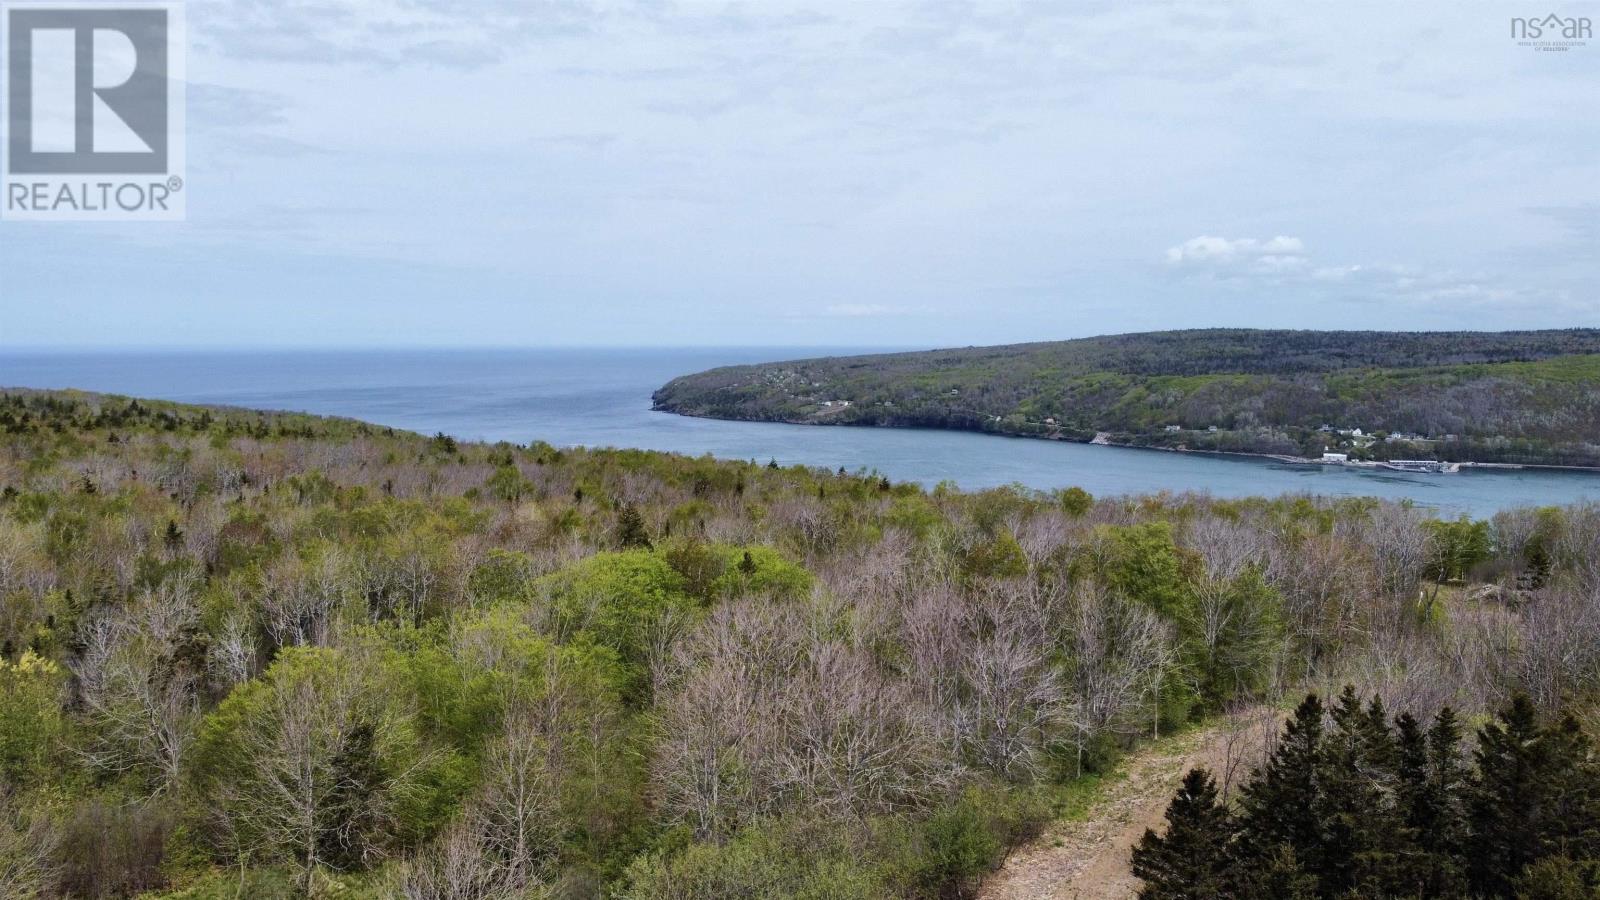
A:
[(1120, 651), (139, 678)]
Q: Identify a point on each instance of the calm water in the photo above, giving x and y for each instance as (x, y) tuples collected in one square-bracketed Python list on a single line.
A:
[(602, 398)]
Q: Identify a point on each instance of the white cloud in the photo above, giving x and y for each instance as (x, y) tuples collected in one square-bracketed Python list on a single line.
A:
[(1334, 273), (1280, 263), (1272, 253)]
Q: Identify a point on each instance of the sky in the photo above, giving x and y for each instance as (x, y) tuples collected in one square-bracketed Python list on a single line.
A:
[(423, 172)]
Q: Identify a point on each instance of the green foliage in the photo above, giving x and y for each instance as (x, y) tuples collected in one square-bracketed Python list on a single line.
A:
[(1145, 564), (615, 600), (31, 722), (318, 761), (967, 837), (1558, 878), (1458, 547), (915, 515), (701, 565), (503, 575), (997, 557), (941, 855), (631, 530), (508, 484), (759, 571), (784, 861), (1233, 635), (1537, 796), (1075, 501), (1278, 808), (258, 883)]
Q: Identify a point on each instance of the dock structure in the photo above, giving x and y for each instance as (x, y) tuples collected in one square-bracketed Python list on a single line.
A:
[(1420, 465)]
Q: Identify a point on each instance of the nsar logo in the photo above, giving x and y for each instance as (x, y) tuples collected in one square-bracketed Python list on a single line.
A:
[(1553, 32)]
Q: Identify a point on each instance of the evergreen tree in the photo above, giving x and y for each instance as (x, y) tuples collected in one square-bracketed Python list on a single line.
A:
[(351, 817), (1379, 749), (1355, 778), (1278, 877), (630, 528), (1357, 807), (1507, 798), (1414, 804), (1428, 797), (1444, 836), (1191, 861), (1571, 822), (1278, 808), (1556, 878)]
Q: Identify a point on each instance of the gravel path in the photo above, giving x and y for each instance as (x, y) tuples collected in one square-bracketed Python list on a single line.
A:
[(1088, 859)]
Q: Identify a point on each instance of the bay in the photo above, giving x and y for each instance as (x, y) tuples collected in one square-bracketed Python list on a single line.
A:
[(601, 397)]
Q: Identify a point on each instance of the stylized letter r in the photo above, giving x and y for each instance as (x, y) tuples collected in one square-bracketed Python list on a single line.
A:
[(87, 91)]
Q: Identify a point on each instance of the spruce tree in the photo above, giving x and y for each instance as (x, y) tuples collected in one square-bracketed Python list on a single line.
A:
[(1191, 861), (1380, 752), (630, 528), (1414, 804), (351, 819), (1556, 878), (1278, 808), (1277, 877), (1570, 825), (1507, 798), (1445, 836), (1430, 779), (1355, 779)]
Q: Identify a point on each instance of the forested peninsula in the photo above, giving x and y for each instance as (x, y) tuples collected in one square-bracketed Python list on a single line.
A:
[(1514, 397)]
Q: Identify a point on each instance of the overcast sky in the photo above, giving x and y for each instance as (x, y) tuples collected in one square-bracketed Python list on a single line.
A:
[(430, 172)]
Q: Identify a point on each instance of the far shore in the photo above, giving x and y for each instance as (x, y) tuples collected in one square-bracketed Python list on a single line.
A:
[(1103, 440)]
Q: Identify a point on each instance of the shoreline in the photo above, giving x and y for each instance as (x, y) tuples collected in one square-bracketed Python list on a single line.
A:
[(1106, 442)]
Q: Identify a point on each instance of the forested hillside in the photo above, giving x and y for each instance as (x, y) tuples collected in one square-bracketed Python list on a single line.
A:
[(269, 655), (1515, 397)]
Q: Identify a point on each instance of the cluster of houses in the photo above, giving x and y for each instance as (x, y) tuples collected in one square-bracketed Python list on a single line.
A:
[(1362, 438), (1357, 436)]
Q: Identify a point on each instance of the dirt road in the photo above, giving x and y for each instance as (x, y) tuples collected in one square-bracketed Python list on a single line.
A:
[(1087, 859)]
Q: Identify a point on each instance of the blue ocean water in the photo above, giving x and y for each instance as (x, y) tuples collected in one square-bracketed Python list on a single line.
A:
[(601, 397)]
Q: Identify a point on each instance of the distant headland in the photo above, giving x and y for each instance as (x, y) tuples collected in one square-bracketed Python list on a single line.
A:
[(1405, 399)]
